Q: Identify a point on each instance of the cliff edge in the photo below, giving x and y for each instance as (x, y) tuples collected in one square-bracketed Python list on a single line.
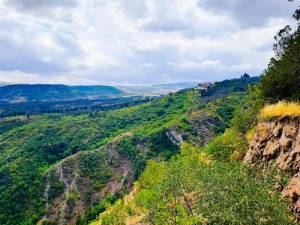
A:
[(277, 141)]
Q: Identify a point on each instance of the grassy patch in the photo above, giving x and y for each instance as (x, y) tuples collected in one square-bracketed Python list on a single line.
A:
[(281, 108)]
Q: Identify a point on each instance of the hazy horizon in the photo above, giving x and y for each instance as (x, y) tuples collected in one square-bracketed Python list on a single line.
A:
[(120, 84)]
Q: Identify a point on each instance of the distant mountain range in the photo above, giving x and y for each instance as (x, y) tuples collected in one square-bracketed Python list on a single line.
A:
[(17, 93), (22, 93)]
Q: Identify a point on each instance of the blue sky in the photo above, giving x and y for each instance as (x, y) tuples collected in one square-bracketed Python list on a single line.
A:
[(134, 42)]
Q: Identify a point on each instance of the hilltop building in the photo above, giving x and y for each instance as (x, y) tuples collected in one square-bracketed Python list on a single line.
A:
[(245, 76), (203, 86)]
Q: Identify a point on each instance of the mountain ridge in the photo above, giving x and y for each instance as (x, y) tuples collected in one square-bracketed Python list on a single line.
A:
[(16, 93)]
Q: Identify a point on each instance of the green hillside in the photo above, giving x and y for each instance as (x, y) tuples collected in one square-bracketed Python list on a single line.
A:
[(29, 148), (213, 184), (219, 153), (208, 184), (34, 149)]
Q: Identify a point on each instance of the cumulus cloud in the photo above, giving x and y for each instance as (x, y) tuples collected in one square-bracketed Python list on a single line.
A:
[(136, 41), (251, 13), (29, 46), (34, 4)]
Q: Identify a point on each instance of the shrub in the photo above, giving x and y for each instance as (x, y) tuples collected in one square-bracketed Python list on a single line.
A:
[(245, 118), (228, 146)]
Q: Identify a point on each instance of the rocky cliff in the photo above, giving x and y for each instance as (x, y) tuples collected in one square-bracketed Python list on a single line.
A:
[(278, 142), (82, 180)]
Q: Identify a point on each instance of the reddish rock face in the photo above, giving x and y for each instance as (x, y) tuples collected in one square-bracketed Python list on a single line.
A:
[(293, 191), (278, 141)]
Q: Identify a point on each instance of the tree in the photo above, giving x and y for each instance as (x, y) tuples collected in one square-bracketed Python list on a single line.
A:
[(281, 80)]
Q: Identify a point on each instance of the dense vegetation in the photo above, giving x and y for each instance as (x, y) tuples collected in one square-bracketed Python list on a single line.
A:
[(30, 145), (210, 185), (281, 79), (191, 188), (69, 106), (198, 185)]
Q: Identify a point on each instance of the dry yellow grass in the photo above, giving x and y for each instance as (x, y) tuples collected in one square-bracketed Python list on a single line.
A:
[(281, 109)]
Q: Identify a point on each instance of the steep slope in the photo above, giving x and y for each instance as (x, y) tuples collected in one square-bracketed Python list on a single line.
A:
[(53, 166), (34, 144), (195, 187), (29, 149), (211, 185), (85, 182), (277, 142)]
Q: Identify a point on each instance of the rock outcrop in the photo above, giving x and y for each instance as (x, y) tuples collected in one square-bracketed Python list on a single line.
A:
[(174, 136), (278, 142), (203, 129)]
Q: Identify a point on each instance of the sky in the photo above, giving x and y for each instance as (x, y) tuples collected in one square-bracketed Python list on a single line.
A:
[(137, 42)]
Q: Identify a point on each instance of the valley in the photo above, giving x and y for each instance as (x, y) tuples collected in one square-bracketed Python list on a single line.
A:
[(70, 163), (33, 99), (163, 150)]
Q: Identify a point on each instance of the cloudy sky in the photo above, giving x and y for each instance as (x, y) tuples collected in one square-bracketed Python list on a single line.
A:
[(136, 41)]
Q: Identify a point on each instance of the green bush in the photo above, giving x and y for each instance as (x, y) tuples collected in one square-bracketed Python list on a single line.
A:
[(229, 146), (246, 117)]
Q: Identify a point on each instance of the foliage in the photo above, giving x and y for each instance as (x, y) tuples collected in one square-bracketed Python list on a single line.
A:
[(281, 80), (228, 146), (219, 111), (32, 145), (96, 210), (68, 106), (246, 117), (219, 89), (184, 190), (154, 173), (30, 148), (13, 122), (117, 216)]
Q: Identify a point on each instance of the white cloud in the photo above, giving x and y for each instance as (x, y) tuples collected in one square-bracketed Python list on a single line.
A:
[(252, 13), (134, 41), (204, 65)]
